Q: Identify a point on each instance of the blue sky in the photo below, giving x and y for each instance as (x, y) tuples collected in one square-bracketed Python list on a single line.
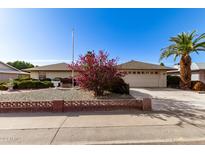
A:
[(43, 36)]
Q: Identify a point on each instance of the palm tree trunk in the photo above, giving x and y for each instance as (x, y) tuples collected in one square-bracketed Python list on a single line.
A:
[(185, 72)]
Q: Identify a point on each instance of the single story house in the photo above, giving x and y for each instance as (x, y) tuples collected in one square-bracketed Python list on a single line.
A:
[(138, 74), (9, 72), (52, 71), (197, 72)]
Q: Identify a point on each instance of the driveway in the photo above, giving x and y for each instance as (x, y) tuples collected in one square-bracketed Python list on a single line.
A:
[(171, 99), (188, 106)]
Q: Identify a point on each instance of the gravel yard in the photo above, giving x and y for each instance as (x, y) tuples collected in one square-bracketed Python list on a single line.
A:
[(52, 94)]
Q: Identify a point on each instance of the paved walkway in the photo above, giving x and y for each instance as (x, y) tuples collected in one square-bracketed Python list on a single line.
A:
[(175, 120)]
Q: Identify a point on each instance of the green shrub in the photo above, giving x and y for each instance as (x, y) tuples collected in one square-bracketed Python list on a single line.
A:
[(48, 84), (117, 85), (3, 87), (68, 81), (15, 86), (39, 85), (173, 81), (197, 86), (27, 84), (46, 79), (32, 84), (22, 79), (1, 83)]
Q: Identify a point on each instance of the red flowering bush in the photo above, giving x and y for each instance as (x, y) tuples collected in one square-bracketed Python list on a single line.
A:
[(95, 72)]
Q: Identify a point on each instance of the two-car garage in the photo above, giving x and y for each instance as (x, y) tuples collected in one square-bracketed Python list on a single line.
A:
[(139, 74)]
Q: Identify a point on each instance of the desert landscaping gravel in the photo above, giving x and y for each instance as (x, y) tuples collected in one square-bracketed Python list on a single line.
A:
[(53, 94)]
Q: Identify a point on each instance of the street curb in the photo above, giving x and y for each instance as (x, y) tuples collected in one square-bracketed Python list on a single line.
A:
[(124, 142)]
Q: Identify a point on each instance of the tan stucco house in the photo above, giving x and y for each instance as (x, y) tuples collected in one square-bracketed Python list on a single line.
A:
[(8, 72), (197, 72), (138, 74), (60, 70)]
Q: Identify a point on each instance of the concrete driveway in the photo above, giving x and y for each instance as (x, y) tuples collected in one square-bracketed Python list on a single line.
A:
[(171, 99), (178, 118), (188, 106)]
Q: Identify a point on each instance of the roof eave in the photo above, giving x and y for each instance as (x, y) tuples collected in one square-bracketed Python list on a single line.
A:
[(166, 69), (36, 70), (23, 73)]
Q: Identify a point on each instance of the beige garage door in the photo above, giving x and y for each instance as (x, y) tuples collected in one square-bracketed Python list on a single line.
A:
[(4, 77), (143, 80)]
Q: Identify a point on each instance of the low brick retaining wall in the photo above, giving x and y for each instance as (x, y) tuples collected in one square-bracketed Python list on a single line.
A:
[(65, 106)]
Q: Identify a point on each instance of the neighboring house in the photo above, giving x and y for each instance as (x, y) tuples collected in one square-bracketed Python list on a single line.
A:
[(60, 70), (197, 72), (140, 74), (9, 72)]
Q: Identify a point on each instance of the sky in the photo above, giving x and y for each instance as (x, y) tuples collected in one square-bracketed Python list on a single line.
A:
[(44, 36)]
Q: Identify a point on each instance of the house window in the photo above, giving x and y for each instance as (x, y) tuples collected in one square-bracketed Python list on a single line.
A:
[(130, 72), (151, 72), (134, 72), (147, 72), (42, 75), (142, 72), (138, 72), (156, 72)]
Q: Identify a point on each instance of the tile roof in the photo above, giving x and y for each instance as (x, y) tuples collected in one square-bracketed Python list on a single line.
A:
[(194, 67), (52, 67), (142, 66), (198, 66), (5, 68), (128, 65)]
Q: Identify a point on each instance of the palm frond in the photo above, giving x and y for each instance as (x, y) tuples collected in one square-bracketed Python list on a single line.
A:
[(192, 35), (175, 56), (166, 52), (198, 49), (201, 44), (202, 36), (184, 44), (175, 39)]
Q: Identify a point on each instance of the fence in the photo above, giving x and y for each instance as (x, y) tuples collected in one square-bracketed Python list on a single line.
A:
[(81, 105)]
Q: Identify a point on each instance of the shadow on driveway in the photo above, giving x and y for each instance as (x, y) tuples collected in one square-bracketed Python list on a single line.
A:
[(186, 111)]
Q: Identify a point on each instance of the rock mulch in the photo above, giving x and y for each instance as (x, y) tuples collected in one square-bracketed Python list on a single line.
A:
[(55, 94)]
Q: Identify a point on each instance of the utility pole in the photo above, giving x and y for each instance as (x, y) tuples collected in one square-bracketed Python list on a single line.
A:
[(73, 57)]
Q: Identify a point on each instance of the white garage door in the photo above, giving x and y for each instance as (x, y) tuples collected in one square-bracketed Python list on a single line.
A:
[(143, 80), (4, 77)]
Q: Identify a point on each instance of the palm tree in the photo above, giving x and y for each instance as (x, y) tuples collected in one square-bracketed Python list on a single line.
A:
[(182, 46)]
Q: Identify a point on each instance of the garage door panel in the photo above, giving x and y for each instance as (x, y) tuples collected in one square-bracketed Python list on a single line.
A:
[(5, 77), (145, 80)]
